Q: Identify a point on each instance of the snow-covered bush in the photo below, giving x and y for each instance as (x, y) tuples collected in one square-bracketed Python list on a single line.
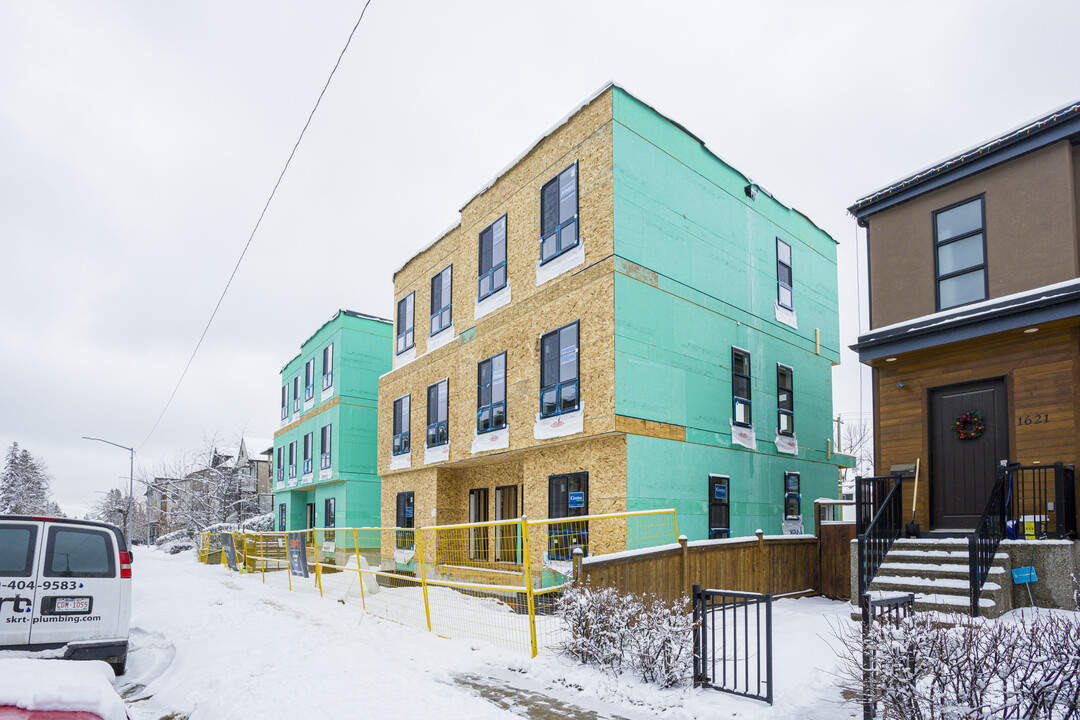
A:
[(627, 633), (175, 542), (966, 669), (259, 523)]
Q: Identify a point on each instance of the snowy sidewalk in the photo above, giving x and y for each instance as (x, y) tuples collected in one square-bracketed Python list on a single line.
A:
[(208, 644)]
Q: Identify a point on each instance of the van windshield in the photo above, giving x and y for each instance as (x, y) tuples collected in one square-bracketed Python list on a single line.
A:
[(76, 552), (17, 543)]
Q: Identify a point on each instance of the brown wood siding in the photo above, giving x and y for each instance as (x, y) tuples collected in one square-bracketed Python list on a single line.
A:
[(769, 565), (1042, 378)]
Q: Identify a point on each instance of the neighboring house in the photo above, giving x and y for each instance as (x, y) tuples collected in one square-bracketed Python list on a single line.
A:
[(324, 453), (619, 321), (974, 268)]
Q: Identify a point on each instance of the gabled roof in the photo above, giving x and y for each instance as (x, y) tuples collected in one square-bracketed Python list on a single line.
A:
[(1032, 135)]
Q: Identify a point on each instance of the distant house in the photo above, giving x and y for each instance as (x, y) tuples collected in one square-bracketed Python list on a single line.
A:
[(974, 267), (324, 452)]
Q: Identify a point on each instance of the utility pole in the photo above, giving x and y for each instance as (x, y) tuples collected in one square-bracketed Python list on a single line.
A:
[(839, 444), (131, 481)]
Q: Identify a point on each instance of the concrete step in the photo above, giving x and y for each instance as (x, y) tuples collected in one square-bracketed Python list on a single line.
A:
[(914, 567), (929, 585)]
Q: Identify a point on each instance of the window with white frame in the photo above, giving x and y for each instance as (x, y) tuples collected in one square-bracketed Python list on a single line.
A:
[(559, 214), (784, 293), (441, 285), (284, 401), (292, 460), (491, 394), (437, 429), (785, 401), (491, 276), (309, 380), (740, 388), (324, 447), (308, 442), (296, 402), (405, 323), (328, 366), (559, 371), (401, 444)]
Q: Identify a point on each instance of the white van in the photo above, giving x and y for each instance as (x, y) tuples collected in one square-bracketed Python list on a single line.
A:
[(65, 584)]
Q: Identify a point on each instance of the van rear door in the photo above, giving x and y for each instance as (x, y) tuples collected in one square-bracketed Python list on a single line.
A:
[(19, 551), (78, 590)]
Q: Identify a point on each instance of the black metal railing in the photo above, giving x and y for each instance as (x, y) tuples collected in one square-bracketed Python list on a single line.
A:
[(733, 642), (983, 543), (879, 521), (887, 610), (1042, 501)]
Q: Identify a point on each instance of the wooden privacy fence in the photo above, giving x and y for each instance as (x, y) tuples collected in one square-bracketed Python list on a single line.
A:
[(763, 564)]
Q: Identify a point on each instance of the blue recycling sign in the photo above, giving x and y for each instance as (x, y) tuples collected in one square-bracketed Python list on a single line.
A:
[(577, 500)]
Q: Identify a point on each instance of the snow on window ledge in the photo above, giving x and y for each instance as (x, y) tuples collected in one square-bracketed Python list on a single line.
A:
[(492, 302), (558, 426), (743, 435), (401, 462), (786, 316), (437, 454), (557, 266), (494, 440)]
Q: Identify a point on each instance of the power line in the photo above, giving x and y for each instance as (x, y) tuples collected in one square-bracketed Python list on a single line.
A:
[(257, 224)]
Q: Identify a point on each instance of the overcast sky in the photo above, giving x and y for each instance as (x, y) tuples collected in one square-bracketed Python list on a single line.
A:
[(139, 142)]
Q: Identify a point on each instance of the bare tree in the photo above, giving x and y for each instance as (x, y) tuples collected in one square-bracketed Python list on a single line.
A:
[(858, 441)]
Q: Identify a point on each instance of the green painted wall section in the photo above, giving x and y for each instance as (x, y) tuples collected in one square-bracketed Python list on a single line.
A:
[(362, 352), (696, 274), (667, 473)]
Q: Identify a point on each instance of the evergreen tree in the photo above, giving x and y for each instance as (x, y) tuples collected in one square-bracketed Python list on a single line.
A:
[(25, 485)]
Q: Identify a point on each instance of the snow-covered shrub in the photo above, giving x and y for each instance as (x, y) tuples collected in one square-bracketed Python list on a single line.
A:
[(967, 669), (627, 633), (175, 542), (259, 523)]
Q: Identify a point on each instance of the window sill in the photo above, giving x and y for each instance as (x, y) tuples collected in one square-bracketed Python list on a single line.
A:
[(327, 393), (556, 266), (786, 316), (491, 440), (326, 473), (404, 358), (743, 435), (492, 302), (401, 462), (556, 426), (787, 444), (437, 454), (443, 337)]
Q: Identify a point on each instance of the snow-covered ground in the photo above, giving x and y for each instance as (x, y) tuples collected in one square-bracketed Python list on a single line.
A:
[(207, 643)]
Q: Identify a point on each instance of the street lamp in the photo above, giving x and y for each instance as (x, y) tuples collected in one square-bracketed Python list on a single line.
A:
[(131, 479)]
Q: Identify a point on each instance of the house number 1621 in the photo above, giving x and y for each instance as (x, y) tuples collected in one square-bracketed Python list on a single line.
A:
[(1032, 419)]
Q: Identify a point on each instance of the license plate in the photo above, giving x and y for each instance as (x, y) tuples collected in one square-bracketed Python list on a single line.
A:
[(73, 605)]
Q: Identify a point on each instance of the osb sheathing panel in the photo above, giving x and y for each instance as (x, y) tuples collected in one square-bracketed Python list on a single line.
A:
[(446, 488), (586, 139), (586, 297)]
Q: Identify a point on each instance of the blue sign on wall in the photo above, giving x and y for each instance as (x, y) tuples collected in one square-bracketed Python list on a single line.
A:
[(577, 500), (408, 511), (720, 492)]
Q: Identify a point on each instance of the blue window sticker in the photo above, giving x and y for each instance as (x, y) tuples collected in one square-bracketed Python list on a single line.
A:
[(408, 512), (577, 500), (720, 492)]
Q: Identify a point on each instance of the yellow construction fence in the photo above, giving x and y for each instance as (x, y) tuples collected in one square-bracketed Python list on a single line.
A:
[(496, 581)]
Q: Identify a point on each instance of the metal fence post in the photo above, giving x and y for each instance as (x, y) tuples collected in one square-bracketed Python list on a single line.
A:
[(423, 576), (529, 599), (698, 632), (768, 649)]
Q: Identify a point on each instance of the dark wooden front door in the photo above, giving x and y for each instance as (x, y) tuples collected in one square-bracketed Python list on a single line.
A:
[(963, 472)]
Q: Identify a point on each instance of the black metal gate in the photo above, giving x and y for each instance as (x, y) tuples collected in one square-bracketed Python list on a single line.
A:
[(733, 642)]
